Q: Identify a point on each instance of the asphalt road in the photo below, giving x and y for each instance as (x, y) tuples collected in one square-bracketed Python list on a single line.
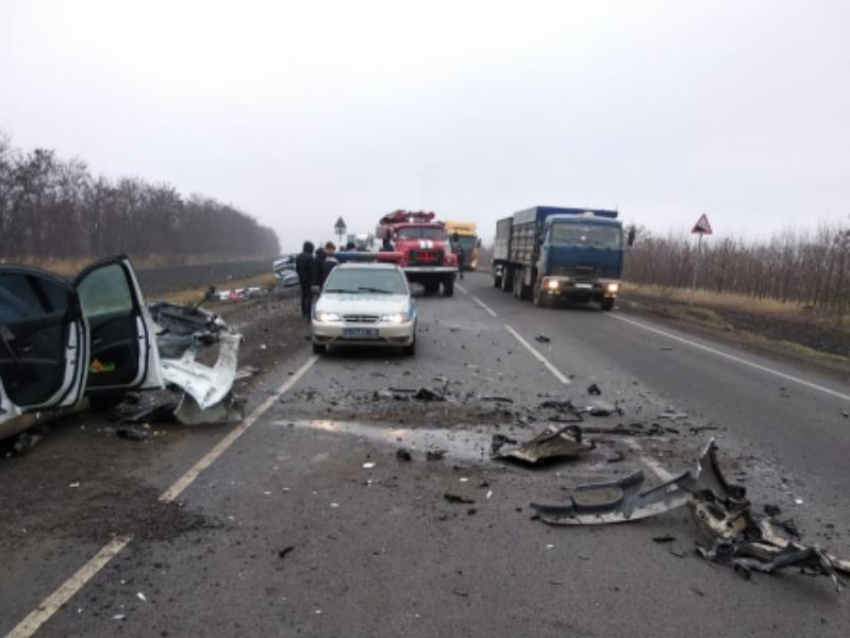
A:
[(378, 551)]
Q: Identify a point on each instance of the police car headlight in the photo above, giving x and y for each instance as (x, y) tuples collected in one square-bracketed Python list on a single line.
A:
[(396, 317), (328, 317), (613, 287), (553, 284)]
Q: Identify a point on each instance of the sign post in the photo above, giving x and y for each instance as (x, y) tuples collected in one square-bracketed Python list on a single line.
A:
[(339, 227), (702, 227)]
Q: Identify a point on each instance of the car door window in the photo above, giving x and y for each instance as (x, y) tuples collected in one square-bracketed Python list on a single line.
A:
[(107, 302)]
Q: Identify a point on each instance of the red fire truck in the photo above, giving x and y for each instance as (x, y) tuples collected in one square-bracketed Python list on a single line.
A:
[(426, 255)]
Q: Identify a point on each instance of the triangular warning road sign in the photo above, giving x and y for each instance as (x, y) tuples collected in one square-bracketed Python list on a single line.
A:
[(702, 227)]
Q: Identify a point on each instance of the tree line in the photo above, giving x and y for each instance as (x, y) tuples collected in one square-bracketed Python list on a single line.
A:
[(57, 209), (810, 269)]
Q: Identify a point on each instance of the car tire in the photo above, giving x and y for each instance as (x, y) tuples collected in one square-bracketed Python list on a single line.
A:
[(539, 299), (449, 287), (497, 282), (409, 351), (319, 348), (607, 304)]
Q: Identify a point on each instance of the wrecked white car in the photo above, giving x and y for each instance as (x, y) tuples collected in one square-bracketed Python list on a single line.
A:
[(61, 339), (94, 336)]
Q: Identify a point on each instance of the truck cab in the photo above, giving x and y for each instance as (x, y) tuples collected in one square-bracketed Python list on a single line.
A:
[(581, 259)]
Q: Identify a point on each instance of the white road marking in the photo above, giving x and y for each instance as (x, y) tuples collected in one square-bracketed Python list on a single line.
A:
[(29, 625), (478, 301), (659, 470), (41, 614), (558, 374), (731, 357), (188, 478)]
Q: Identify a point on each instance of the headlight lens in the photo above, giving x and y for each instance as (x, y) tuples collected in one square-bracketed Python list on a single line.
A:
[(553, 284), (328, 317), (613, 287), (397, 317)]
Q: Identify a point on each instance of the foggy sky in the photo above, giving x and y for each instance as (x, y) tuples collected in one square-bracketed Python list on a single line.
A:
[(299, 112)]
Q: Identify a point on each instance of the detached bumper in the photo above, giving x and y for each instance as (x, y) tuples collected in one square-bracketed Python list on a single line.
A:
[(368, 335), (556, 287)]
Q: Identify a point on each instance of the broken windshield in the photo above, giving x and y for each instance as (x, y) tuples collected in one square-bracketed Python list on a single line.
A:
[(585, 235)]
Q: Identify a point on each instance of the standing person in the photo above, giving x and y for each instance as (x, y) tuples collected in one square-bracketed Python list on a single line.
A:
[(457, 249), (304, 270), (330, 262), (318, 267)]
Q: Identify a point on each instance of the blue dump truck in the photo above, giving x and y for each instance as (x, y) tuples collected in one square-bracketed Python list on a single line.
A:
[(551, 254)]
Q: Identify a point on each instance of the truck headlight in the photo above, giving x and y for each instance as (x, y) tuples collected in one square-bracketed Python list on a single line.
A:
[(613, 287), (396, 317), (553, 284), (328, 317)]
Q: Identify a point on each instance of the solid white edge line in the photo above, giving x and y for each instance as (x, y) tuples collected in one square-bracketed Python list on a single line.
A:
[(731, 357), (41, 614), (193, 472), (558, 374)]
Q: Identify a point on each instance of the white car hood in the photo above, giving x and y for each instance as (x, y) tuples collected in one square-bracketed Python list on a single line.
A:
[(365, 304)]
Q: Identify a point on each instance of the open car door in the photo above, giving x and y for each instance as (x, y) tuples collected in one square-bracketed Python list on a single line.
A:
[(43, 342), (123, 351)]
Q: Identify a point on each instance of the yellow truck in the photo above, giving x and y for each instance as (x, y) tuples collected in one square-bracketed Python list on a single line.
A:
[(465, 234)]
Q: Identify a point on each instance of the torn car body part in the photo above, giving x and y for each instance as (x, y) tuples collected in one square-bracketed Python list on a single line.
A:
[(565, 442)]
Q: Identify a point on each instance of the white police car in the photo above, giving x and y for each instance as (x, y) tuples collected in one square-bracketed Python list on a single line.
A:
[(365, 304)]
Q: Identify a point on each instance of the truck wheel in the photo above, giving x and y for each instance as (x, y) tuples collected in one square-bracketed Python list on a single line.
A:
[(497, 282), (319, 348), (507, 276), (607, 303), (431, 287), (520, 289), (449, 286)]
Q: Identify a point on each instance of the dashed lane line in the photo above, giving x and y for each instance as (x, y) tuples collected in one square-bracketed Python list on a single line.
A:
[(189, 477), (557, 373), (478, 301), (41, 614), (731, 357)]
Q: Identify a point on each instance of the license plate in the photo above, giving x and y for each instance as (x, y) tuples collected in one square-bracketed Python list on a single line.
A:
[(360, 333), (585, 286)]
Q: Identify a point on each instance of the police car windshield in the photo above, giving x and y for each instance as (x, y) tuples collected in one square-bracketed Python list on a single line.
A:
[(416, 232), (366, 280)]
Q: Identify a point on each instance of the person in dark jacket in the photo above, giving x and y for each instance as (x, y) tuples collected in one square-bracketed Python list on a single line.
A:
[(304, 270), (318, 267), (330, 262), (457, 249)]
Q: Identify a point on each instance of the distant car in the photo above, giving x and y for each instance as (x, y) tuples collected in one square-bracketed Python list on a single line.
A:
[(284, 271), (365, 305)]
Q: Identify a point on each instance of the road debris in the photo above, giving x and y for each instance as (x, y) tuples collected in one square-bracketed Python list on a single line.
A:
[(741, 539), (435, 455), (451, 497), (133, 433), (403, 455), (667, 538), (542, 339), (282, 553), (593, 390), (566, 442)]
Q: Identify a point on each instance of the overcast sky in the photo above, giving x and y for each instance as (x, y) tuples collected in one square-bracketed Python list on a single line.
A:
[(299, 112)]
